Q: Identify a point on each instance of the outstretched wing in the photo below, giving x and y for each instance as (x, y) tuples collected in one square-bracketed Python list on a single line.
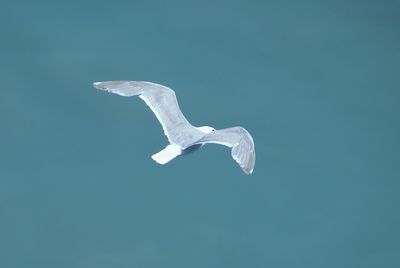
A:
[(241, 143), (163, 103)]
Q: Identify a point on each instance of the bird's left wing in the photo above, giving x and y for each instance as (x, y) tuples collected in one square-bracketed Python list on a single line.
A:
[(162, 101), (241, 143)]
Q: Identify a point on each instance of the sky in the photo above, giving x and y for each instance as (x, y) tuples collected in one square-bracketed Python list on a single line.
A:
[(315, 83)]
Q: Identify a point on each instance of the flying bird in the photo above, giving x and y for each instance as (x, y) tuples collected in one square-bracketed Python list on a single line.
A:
[(182, 136)]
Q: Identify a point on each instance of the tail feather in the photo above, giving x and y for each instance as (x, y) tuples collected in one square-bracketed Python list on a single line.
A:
[(167, 154)]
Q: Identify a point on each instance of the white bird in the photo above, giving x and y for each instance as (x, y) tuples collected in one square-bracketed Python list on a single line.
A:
[(182, 136)]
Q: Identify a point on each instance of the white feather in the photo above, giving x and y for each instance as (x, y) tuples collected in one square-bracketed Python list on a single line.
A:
[(167, 154)]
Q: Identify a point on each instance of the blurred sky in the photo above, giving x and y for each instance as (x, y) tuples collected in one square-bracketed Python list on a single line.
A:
[(316, 83)]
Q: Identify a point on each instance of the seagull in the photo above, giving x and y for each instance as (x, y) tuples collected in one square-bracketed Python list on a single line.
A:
[(182, 136)]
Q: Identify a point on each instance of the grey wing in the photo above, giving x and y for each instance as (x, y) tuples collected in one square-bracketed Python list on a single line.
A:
[(241, 143), (162, 101)]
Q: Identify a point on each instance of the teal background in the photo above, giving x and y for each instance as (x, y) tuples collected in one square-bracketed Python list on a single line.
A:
[(316, 83)]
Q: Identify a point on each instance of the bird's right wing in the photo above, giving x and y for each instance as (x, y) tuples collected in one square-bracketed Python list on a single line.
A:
[(241, 143), (163, 103)]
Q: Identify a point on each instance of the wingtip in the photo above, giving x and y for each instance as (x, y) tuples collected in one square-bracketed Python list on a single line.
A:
[(248, 172), (97, 85)]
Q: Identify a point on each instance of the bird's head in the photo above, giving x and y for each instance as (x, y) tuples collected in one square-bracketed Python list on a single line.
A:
[(206, 129)]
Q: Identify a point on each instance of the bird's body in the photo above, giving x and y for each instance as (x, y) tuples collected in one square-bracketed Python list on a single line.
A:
[(182, 136), (191, 149)]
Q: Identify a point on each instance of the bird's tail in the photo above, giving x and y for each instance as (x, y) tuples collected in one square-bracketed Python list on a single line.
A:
[(167, 154)]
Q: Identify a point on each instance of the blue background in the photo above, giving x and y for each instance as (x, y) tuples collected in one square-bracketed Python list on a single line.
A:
[(316, 83)]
